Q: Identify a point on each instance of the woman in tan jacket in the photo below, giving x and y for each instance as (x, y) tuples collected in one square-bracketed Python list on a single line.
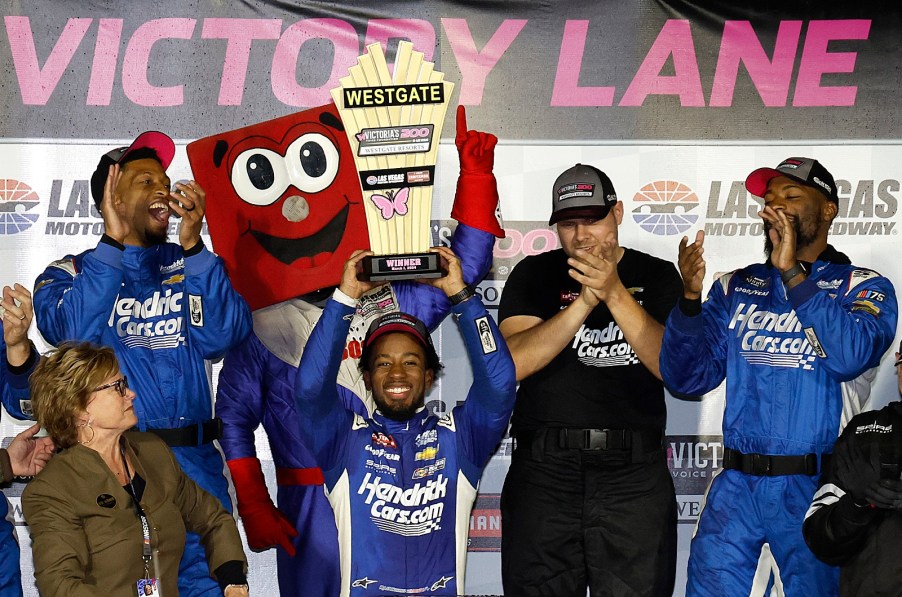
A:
[(108, 514)]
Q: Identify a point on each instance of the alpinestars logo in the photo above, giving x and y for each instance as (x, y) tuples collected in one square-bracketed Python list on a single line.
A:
[(16, 198), (663, 207), (408, 512), (155, 323), (772, 339), (603, 348)]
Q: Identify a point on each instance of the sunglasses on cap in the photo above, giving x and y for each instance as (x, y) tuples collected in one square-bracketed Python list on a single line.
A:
[(121, 386)]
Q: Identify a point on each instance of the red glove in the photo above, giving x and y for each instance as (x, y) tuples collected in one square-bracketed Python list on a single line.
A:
[(476, 200), (264, 524)]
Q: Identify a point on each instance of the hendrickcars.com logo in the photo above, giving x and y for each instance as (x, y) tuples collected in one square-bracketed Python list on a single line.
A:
[(664, 207), (17, 199), (866, 208)]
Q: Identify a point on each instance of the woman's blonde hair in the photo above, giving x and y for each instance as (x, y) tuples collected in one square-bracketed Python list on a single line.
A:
[(63, 382)]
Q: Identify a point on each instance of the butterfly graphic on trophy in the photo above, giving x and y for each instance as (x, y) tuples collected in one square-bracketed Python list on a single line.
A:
[(391, 203)]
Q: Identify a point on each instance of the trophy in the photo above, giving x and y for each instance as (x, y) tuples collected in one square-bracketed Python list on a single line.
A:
[(394, 122)]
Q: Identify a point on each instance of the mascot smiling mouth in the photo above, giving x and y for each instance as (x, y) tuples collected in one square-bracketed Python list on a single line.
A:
[(289, 250)]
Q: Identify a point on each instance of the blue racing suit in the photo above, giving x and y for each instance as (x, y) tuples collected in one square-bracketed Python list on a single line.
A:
[(256, 386), (166, 312), (14, 393), (402, 491), (798, 365)]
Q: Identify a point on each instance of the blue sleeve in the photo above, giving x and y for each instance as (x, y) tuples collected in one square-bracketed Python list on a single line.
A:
[(855, 331), (227, 318), (75, 305), (240, 397), (693, 358), (429, 304), (14, 391), (324, 422), (483, 417)]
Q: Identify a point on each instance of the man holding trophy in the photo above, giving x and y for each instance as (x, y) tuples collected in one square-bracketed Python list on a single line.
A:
[(257, 381)]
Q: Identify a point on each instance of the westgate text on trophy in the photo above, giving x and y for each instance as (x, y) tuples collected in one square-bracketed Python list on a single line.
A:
[(394, 122)]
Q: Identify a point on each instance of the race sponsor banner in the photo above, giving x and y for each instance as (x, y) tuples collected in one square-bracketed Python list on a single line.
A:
[(620, 71)]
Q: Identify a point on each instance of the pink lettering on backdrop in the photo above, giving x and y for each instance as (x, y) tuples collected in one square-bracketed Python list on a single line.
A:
[(285, 60), (137, 61), (417, 31), (106, 59), (240, 35), (36, 83), (817, 61), (675, 39), (474, 65), (771, 77), (567, 91)]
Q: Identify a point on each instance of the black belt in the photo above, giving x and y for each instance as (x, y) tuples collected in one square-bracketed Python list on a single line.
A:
[(192, 435), (766, 465), (567, 438)]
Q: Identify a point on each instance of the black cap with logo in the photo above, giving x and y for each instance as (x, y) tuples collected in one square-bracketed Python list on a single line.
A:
[(807, 171), (159, 142), (582, 192)]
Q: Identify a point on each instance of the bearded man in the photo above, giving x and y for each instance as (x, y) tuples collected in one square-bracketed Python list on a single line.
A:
[(797, 339)]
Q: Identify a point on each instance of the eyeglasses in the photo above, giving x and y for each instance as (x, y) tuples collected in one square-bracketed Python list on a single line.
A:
[(121, 386)]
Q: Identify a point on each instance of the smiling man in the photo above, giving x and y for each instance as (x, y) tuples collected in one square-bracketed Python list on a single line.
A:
[(402, 481), (797, 339), (588, 500), (164, 308)]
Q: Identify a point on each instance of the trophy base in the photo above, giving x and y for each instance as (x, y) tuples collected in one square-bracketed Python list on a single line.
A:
[(407, 266)]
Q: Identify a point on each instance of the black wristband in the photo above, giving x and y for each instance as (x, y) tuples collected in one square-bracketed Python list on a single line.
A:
[(792, 272), (462, 295)]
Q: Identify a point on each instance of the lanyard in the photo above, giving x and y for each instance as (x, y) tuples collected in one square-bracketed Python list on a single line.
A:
[(147, 554)]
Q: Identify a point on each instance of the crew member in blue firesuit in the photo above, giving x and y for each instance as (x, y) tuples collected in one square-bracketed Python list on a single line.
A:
[(797, 338), (166, 309)]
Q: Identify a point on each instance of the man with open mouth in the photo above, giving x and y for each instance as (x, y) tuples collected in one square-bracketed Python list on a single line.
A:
[(165, 308)]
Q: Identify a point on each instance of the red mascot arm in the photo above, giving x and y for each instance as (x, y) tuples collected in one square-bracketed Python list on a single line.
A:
[(264, 524)]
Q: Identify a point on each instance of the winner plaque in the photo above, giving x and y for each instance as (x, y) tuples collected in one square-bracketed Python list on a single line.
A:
[(394, 122)]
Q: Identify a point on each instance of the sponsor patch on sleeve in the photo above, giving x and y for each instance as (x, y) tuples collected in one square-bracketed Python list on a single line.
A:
[(815, 343), (861, 275), (486, 338), (871, 295), (196, 310), (866, 307)]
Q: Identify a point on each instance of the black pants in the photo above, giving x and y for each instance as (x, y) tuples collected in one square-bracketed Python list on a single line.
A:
[(573, 519)]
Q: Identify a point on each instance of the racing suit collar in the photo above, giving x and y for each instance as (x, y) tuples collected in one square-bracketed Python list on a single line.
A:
[(392, 426), (140, 257)]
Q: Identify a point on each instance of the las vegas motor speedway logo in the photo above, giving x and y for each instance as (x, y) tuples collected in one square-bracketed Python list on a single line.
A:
[(16, 200), (663, 207), (866, 208)]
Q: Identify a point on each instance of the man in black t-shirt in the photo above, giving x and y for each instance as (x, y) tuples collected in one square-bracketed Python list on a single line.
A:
[(588, 501)]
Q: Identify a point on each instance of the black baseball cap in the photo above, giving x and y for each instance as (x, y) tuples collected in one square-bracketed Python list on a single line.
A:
[(403, 323), (159, 142), (807, 171), (581, 192)]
